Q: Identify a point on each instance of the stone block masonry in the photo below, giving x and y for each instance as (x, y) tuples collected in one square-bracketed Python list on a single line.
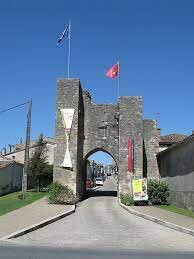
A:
[(100, 127), (68, 95), (151, 138), (130, 126)]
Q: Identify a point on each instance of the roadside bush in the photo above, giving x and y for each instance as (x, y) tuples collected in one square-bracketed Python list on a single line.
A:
[(127, 199), (158, 192), (60, 194), (20, 196)]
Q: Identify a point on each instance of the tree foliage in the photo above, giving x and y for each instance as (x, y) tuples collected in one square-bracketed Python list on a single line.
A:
[(38, 166)]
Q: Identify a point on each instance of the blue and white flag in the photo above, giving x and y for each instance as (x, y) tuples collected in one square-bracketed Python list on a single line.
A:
[(65, 34)]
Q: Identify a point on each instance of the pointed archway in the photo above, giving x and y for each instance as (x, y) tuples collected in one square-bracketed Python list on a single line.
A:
[(94, 168)]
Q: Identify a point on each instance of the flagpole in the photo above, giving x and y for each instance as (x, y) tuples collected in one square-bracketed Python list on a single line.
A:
[(68, 72), (118, 80), (118, 190)]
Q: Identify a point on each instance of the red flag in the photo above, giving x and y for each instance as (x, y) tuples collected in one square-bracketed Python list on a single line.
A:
[(113, 71)]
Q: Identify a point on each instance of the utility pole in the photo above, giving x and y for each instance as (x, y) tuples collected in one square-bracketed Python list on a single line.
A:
[(27, 148), (157, 114)]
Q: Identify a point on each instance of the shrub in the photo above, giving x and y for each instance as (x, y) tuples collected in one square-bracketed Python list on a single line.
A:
[(60, 194), (127, 199), (158, 192)]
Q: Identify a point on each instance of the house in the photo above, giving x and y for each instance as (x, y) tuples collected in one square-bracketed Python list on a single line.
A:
[(168, 140), (19, 149), (176, 166), (12, 163), (10, 175)]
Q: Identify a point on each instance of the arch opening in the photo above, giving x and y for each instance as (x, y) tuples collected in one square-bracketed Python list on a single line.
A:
[(100, 173)]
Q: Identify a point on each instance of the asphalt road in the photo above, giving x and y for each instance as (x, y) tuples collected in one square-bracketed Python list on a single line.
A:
[(30, 252), (101, 228)]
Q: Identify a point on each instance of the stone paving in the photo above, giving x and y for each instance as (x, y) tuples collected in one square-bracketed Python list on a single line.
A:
[(100, 223), (29, 215)]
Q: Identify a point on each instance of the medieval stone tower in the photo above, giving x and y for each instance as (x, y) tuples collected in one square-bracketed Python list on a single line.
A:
[(105, 127)]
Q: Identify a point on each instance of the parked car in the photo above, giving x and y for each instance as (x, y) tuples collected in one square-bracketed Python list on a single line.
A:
[(99, 181), (89, 183)]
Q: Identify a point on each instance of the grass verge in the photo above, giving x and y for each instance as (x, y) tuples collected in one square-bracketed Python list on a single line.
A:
[(177, 210), (12, 202)]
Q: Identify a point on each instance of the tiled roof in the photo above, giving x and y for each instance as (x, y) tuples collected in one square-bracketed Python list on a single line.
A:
[(177, 145), (172, 138)]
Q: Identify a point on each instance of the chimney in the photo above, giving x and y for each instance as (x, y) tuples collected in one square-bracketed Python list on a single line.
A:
[(159, 131), (192, 132), (3, 151), (10, 147)]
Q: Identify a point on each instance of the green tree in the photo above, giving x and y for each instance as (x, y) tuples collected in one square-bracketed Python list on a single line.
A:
[(38, 166)]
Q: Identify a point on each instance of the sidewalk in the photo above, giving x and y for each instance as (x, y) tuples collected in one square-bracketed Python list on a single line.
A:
[(169, 219), (29, 215)]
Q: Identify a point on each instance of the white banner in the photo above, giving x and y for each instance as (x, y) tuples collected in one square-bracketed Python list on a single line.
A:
[(67, 159), (67, 118)]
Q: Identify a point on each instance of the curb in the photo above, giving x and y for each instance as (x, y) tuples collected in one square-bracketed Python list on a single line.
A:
[(36, 226), (159, 221)]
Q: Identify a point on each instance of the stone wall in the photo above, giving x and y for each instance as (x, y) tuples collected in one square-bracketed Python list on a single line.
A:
[(68, 93), (130, 126), (151, 139), (101, 127), (176, 165), (81, 177)]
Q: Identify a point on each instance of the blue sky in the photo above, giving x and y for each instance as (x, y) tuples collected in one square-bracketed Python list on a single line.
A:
[(101, 158), (152, 39)]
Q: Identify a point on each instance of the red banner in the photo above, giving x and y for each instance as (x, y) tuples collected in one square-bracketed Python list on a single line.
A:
[(130, 155)]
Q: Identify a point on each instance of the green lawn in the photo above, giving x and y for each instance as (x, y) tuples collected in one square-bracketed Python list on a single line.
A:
[(11, 201), (175, 209)]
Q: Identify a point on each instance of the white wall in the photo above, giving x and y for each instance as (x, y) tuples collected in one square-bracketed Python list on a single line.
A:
[(10, 178)]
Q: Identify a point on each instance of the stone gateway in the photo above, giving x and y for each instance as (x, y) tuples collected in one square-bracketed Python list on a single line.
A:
[(103, 127)]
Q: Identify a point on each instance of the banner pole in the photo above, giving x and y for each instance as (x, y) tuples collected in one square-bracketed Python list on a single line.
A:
[(68, 73)]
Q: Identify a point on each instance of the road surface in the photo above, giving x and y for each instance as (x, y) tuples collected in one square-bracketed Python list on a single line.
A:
[(100, 223), (101, 229)]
